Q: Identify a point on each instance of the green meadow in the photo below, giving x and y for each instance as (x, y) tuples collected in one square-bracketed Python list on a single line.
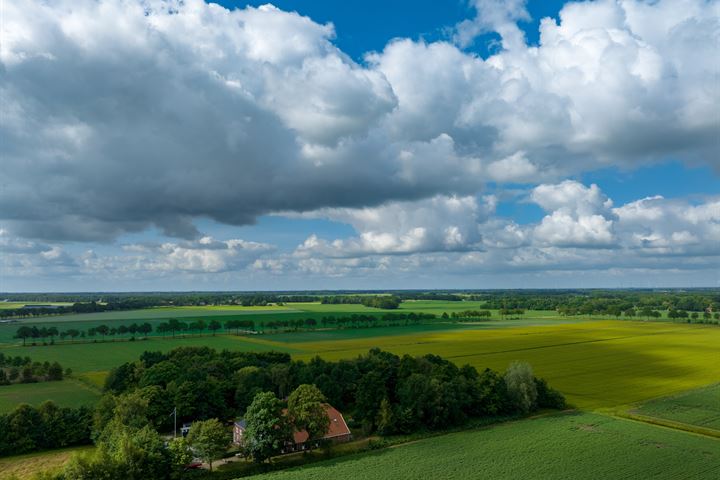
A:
[(700, 408), (14, 305), (571, 446), (68, 393), (89, 357), (25, 466), (595, 364), (261, 315)]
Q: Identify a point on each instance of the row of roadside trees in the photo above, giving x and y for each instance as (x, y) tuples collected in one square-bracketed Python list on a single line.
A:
[(175, 327)]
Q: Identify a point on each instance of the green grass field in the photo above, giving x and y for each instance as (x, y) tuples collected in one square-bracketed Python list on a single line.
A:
[(595, 364), (14, 305), (92, 357), (66, 393), (259, 315), (155, 316), (322, 335), (572, 446), (699, 407), (26, 466)]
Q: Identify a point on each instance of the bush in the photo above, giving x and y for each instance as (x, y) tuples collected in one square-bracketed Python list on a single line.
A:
[(548, 397)]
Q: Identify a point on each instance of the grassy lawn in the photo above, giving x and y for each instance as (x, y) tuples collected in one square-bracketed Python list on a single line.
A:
[(66, 393), (699, 407), (571, 446), (26, 466)]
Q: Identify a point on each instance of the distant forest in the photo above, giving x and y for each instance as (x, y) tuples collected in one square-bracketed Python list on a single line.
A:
[(567, 302)]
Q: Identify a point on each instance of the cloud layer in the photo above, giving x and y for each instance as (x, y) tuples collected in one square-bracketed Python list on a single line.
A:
[(133, 114), (123, 115)]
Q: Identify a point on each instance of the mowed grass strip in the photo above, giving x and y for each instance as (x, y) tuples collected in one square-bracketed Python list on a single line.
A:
[(572, 446), (595, 364), (27, 466), (699, 407), (66, 393)]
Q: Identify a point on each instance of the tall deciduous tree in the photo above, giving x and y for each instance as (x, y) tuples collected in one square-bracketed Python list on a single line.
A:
[(267, 428), (209, 439), (306, 409), (214, 326), (521, 386)]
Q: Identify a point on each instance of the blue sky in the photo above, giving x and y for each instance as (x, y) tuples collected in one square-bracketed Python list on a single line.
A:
[(418, 144)]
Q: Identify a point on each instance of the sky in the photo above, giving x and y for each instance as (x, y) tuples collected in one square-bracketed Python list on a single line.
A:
[(184, 145)]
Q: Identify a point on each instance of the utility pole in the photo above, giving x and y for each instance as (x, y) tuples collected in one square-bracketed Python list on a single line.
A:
[(174, 414)]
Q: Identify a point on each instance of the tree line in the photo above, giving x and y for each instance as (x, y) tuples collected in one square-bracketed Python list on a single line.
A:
[(350, 321), (426, 392), (387, 302), (77, 307), (439, 296), (174, 327), (27, 428), (48, 334), (23, 370), (601, 302), (468, 314)]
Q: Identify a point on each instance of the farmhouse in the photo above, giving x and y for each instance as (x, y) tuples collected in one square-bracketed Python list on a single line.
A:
[(338, 432)]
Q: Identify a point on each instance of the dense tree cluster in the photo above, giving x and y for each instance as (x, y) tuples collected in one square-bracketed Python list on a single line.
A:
[(200, 382), (389, 394), (388, 302), (128, 447), (438, 296), (350, 321), (28, 428), (601, 302), (471, 314), (419, 392), (24, 370), (77, 307)]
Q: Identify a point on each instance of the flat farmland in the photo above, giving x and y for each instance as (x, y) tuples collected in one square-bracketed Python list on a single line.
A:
[(93, 357), (259, 315), (699, 407), (14, 305), (595, 364), (570, 446), (66, 393), (157, 313)]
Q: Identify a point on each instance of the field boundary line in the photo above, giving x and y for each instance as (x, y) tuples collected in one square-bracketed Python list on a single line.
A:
[(565, 344), (668, 424), (85, 384)]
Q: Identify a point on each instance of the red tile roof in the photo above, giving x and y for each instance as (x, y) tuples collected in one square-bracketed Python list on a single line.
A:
[(337, 428)]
